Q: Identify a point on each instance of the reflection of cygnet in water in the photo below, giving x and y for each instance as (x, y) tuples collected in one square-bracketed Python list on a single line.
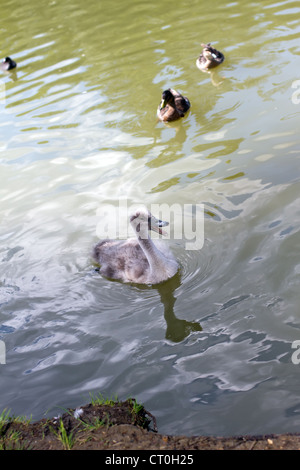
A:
[(177, 329), (138, 260)]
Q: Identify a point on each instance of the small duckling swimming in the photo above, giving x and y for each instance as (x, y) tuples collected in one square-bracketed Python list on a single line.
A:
[(172, 106), (137, 260), (209, 58), (7, 64)]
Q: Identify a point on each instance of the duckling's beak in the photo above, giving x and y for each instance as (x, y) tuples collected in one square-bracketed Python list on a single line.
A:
[(156, 225), (163, 103)]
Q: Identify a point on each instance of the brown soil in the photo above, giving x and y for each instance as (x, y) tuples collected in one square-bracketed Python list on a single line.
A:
[(121, 427)]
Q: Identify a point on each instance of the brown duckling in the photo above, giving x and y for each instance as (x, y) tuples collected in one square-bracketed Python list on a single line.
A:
[(7, 64), (172, 106), (209, 58)]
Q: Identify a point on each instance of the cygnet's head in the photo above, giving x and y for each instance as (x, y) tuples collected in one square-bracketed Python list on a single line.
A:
[(143, 216)]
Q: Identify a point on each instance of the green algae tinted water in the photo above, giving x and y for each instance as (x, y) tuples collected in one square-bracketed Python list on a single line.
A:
[(209, 352)]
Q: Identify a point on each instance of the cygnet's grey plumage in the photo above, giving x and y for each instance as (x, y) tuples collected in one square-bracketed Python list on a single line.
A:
[(137, 260)]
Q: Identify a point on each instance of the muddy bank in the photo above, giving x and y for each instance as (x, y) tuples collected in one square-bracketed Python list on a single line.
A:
[(120, 426)]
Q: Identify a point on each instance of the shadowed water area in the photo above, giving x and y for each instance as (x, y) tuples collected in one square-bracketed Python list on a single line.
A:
[(209, 351)]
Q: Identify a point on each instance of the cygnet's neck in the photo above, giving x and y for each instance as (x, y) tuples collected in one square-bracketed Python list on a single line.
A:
[(157, 261)]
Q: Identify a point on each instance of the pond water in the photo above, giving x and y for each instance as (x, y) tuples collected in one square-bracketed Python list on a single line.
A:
[(210, 351)]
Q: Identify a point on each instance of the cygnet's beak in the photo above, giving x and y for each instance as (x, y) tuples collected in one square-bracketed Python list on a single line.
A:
[(156, 225)]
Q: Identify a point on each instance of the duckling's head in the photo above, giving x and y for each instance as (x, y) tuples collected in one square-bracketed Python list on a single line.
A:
[(207, 51), (166, 97), (8, 63)]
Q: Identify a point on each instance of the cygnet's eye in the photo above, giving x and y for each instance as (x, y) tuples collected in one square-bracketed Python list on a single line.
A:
[(135, 216)]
